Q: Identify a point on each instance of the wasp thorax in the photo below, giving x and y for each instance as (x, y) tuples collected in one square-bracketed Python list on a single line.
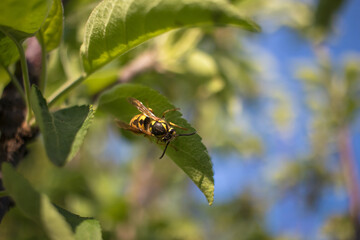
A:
[(158, 129), (150, 125)]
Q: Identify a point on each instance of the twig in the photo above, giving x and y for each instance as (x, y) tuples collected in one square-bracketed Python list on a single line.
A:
[(351, 177), (144, 62)]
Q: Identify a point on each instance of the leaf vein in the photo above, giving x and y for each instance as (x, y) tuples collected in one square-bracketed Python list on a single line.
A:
[(57, 136), (106, 24)]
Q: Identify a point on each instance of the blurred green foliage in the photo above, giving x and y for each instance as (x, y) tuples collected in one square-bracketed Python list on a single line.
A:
[(213, 77)]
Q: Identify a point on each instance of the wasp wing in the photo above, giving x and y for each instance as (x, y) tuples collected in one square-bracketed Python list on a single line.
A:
[(126, 126), (140, 106)]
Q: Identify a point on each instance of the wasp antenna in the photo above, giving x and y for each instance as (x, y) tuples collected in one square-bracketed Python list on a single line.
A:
[(164, 150), (186, 134)]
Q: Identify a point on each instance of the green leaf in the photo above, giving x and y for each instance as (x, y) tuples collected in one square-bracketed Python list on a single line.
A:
[(8, 51), (35, 205), (4, 79), (52, 29), (84, 228), (21, 191), (64, 130), (23, 18), (116, 26), (53, 222), (88, 230), (326, 11), (58, 222), (191, 155)]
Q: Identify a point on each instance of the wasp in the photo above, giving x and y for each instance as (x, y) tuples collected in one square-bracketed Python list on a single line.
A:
[(149, 124)]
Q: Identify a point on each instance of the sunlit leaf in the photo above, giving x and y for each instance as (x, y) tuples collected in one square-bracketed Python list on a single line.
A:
[(23, 18), (64, 130), (190, 154), (51, 30), (4, 79), (100, 80), (116, 26), (8, 51), (88, 230)]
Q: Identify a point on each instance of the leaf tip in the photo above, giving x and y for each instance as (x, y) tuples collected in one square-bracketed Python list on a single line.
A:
[(210, 196)]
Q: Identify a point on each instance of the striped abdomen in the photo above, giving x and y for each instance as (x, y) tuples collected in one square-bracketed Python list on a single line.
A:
[(140, 121), (154, 128)]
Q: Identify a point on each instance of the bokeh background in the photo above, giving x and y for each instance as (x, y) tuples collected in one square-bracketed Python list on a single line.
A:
[(278, 111)]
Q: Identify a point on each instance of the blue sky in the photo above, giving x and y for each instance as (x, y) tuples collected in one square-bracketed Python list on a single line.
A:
[(289, 215)]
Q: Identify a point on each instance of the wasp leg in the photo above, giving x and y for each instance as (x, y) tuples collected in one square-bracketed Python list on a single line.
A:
[(174, 125), (167, 144), (163, 144), (169, 110)]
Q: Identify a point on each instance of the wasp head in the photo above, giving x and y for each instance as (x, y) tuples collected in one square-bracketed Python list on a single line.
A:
[(169, 135)]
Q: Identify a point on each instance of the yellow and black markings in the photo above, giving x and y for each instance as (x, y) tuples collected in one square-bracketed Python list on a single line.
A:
[(149, 124)]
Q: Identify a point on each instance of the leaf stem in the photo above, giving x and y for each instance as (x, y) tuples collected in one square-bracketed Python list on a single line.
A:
[(16, 83), (25, 72), (63, 60), (42, 81), (67, 87)]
